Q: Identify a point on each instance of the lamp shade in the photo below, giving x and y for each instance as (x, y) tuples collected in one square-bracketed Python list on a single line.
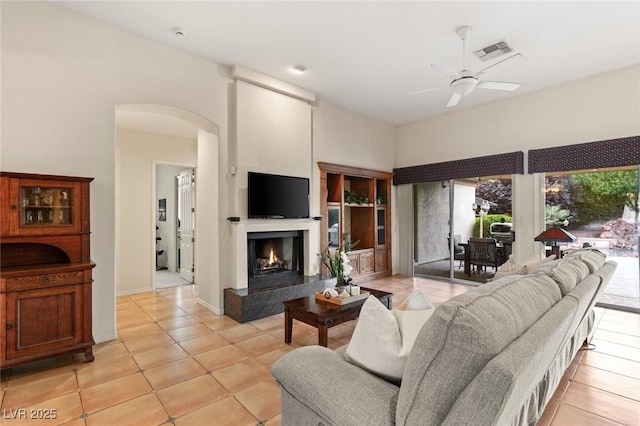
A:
[(556, 235)]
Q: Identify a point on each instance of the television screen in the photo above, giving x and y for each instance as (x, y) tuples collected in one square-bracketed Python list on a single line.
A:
[(278, 197)]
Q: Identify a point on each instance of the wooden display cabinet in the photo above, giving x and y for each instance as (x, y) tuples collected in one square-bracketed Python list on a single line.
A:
[(355, 201), (46, 277)]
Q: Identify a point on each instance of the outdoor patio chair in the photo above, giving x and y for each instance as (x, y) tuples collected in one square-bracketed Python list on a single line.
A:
[(483, 252)]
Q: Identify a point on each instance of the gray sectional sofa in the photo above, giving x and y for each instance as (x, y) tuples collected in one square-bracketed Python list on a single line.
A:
[(491, 356)]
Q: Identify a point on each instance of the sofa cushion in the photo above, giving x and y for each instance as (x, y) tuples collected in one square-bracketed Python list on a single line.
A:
[(594, 259), (510, 267), (382, 339), (462, 335), (318, 380), (567, 273), (533, 265)]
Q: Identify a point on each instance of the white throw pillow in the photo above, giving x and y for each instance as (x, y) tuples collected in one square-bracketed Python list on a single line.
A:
[(416, 301), (410, 323), (382, 339)]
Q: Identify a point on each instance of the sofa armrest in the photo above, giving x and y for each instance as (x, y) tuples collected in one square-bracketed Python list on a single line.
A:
[(334, 389)]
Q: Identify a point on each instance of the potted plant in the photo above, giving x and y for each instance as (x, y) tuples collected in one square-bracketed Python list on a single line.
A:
[(364, 197), (351, 197), (337, 263), (382, 197)]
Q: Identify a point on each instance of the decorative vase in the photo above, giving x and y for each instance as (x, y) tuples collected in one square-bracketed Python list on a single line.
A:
[(343, 291)]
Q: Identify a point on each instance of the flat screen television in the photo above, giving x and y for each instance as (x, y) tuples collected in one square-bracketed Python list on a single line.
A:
[(278, 197)]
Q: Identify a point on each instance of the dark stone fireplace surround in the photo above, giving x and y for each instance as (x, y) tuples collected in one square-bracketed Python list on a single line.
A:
[(265, 298)]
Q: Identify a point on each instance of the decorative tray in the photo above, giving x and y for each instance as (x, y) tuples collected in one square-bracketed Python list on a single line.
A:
[(341, 300)]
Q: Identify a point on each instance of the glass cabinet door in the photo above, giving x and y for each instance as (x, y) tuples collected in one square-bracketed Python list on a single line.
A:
[(381, 220), (333, 225), (45, 206)]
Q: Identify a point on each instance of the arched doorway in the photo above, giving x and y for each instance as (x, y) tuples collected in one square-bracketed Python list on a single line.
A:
[(147, 135)]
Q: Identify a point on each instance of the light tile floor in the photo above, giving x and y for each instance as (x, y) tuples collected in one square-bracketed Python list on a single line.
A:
[(165, 278), (177, 363)]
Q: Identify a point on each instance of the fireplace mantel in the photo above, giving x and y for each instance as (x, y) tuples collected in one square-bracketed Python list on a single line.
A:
[(240, 229)]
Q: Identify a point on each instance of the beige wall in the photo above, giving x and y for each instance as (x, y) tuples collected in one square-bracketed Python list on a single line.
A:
[(62, 77), (209, 202), (273, 135), (597, 108), (348, 138), (351, 139), (136, 156)]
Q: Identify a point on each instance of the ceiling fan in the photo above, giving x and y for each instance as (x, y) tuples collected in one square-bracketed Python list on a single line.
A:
[(463, 82)]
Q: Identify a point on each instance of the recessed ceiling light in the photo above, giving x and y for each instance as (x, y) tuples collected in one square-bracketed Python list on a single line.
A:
[(299, 69)]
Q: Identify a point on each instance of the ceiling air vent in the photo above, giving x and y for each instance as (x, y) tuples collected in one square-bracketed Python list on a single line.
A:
[(493, 51)]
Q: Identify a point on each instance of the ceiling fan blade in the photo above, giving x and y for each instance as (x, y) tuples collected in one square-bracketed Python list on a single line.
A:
[(446, 70), (484, 70), (433, 89), (498, 85), (455, 98)]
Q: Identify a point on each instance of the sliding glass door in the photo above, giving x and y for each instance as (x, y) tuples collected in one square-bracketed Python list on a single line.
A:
[(462, 228), (600, 208), (431, 229)]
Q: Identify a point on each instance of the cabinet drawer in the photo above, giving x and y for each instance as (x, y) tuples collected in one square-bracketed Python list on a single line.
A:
[(44, 280)]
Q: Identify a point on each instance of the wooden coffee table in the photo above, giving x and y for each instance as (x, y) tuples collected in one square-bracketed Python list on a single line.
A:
[(324, 315)]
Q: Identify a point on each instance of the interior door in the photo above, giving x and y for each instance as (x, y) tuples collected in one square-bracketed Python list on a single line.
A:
[(186, 209)]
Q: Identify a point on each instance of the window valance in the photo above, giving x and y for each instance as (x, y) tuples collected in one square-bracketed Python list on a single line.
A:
[(592, 155), (491, 165)]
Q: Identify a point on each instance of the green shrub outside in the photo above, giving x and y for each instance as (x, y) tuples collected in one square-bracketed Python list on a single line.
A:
[(486, 223)]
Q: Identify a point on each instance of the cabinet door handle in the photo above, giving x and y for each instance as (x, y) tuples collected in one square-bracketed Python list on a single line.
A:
[(11, 326), (14, 207)]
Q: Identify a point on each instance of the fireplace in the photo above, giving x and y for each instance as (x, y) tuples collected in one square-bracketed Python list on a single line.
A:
[(274, 258)]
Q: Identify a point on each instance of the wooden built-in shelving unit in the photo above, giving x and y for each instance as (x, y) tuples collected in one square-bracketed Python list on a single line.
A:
[(356, 202)]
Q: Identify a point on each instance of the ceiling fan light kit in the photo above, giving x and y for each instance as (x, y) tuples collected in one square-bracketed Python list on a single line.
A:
[(464, 85), (464, 82)]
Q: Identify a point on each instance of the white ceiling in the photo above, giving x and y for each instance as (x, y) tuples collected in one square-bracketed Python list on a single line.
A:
[(366, 56)]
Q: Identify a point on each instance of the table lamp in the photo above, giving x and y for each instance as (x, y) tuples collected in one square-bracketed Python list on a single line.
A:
[(554, 236)]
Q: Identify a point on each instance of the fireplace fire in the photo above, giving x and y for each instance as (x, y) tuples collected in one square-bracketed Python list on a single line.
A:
[(272, 264), (274, 258)]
